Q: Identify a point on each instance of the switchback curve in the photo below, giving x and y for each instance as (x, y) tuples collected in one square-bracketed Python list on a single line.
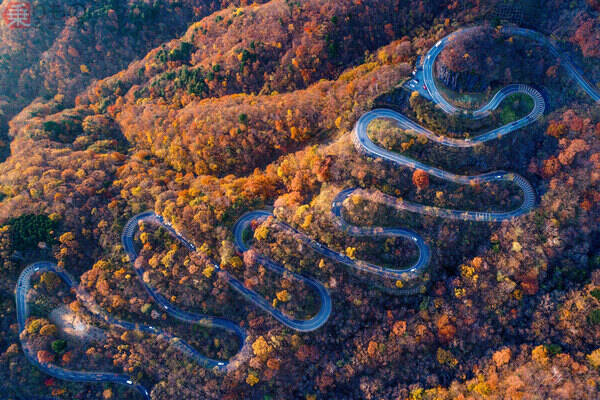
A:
[(563, 58), (23, 286), (127, 239), (366, 146), (299, 325)]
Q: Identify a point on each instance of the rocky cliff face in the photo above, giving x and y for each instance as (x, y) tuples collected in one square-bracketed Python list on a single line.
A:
[(461, 81)]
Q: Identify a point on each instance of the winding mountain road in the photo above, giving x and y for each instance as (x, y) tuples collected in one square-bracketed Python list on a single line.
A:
[(364, 145), (397, 275), (563, 58), (23, 286), (127, 239), (299, 325)]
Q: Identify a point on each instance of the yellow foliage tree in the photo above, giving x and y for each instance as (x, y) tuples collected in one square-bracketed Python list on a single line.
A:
[(502, 357), (540, 355), (261, 233), (252, 379), (48, 330), (283, 296), (261, 348), (594, 358)]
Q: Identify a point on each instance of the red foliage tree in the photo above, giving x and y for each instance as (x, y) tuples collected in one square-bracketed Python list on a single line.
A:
[(420, 179), (587, 37)]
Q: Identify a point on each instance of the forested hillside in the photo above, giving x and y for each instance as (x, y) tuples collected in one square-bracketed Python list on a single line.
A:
[(203, 110)]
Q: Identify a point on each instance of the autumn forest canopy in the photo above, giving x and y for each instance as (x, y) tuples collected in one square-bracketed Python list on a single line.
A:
[(204, 110)]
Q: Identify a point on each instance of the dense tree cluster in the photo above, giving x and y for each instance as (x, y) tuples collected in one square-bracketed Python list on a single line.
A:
[(587, 37), (31, 230)]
